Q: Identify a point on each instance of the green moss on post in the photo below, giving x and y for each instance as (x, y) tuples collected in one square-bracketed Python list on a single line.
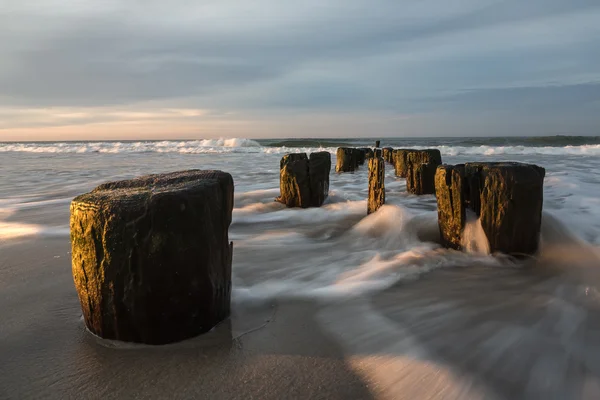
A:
[(151, 257), (303, 181), (421, 178), (450, 194), (400, 157), (376, 184), (294, 181), (346, 160), (506, 196)]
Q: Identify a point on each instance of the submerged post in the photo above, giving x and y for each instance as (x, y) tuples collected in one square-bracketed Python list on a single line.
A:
[(151, 256), (388, 154), (376, 183), (294, 180), (346, 161), (450, 190), (304, 181), (506, 196), (368, 152), (421, 178), (422, 165), (319, 167), (349, 158), (401, 162)]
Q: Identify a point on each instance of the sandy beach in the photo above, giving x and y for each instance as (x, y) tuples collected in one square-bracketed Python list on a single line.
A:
[(522, 334), (327, 303), (270, 352)]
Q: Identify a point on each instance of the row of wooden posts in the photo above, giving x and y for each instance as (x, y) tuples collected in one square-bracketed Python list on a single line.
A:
[(507, 197), (151, 256)]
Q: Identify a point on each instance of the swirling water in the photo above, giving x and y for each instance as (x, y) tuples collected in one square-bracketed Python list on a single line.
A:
[(411, 318)]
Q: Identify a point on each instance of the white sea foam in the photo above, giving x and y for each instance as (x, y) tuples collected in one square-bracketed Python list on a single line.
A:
[(242, 145), (474, 239), (331, 251), (221, 145), (447, 301), (590, 149)]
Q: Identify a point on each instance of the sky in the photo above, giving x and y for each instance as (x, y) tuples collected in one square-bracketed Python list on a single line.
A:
[(133, 69)]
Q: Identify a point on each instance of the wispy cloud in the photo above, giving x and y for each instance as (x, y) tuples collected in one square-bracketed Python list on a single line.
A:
[(274, 64)]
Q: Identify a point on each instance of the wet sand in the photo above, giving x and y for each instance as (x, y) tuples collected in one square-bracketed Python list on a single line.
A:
[(453, 333), (271, 351)]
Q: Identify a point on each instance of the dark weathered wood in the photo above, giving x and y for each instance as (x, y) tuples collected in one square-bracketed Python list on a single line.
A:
[(319, 167), (304, 182), (510, 204), (151, 257), (421, 178), (294, 181), (346, 160), (368, 152), (349, 158), (427, 156), (451, 201), (400, 157), (360, 155), (388, 154), (291, 157), (506, 196), (376, 184)]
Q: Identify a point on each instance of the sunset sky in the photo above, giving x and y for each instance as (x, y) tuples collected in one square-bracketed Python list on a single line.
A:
[(132, 69)]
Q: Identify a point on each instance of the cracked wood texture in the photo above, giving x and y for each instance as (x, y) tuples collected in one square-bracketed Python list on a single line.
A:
[(151, 256), (422, 164), (509, 204), (450, 193), (348, 159), (388, 153), (319, 167), (303, 181), (376, 184), (400, 157), (506, 196), (294, 181)]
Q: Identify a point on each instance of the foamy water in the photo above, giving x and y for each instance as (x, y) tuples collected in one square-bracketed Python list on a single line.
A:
[(237, 145), (352, 264), (329, 251)]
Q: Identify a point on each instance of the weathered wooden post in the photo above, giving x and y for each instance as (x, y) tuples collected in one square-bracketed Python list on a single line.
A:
[(346, 160), (294, 181), (319, 167), (506, 196), (388, 154), (425, 156), (450, 190), (368, 152), (400, 157), (291, 157), (422, 165), (421, 178), (151, 257), (360, 155), (304, 182), (376, 183)]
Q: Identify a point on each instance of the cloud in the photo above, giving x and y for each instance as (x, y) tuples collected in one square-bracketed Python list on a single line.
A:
[(118, 61)]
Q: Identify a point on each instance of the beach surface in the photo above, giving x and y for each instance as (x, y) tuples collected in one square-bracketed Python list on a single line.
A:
[(327, 303)]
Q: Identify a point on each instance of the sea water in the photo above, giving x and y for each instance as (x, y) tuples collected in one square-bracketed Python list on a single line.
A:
[(474, 324)]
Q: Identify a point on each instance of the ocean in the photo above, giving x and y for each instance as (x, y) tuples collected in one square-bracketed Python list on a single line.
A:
[(399, 316)]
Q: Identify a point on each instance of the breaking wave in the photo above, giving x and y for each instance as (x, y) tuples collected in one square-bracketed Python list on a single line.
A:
[(241, 145)]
